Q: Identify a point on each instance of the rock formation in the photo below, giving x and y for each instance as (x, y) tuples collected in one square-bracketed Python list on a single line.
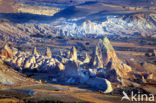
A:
[(154, 53), (87, 59), (105, 56), (35, 51), (71, 69), (61, 66), (73, 54), (68, 54), (150, 76), (34, 61), (48, 53), (61, 53), (104, 28), (7, 52), (30, 63), (100, 83), (95, 60), (8, 76), (150, 53)]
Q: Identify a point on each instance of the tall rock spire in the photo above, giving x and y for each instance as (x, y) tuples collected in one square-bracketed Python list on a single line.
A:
[(73, 54), (105, 56), (48, 53), (87, 59), (35, 51)]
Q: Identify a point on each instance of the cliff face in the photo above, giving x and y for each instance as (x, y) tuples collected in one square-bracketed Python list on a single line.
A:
[(21, 20), (138, 24), (72, 2)]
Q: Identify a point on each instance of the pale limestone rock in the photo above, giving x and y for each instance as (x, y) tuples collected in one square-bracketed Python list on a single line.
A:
[(150, 76), (68, 54), (148, 54), (61, 66), (92, 72), (14, 60), (27, 65), (71, 69), (73, 54), (48, 53), (52, 62), (33, 66), (87, 59), (61, 53), (109, 87), (154, 53), (96, 60), (63, 60), (101, 84), (19, 61), (35, 51), (144, 80), (8, 49), (7, 52), (29, 62), (105, 56), (52, 65), (1, 61), (15, 51)]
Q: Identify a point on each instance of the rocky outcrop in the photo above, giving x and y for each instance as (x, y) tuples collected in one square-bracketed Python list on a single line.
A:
[(96, 60), (7, 52), (101, 84), (150, 76), (87, 59), (51, 66), (20, 61), (34, 52), (73, 54), (60, 66), (150, 53), (48, 53), (30, 63), (105, 56), (61, 53), (71, 69), (134, 24), (154, 53)]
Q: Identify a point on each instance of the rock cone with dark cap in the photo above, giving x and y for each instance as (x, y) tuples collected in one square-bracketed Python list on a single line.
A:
[(105, 56)]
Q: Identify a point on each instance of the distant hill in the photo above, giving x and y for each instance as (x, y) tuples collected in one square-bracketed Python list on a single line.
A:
[(129, 2), (7, 6)]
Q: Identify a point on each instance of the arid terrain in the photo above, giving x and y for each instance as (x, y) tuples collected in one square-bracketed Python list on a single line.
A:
[(77, 51)]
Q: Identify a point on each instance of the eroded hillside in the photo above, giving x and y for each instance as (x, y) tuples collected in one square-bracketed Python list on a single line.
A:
[(76, 51)]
